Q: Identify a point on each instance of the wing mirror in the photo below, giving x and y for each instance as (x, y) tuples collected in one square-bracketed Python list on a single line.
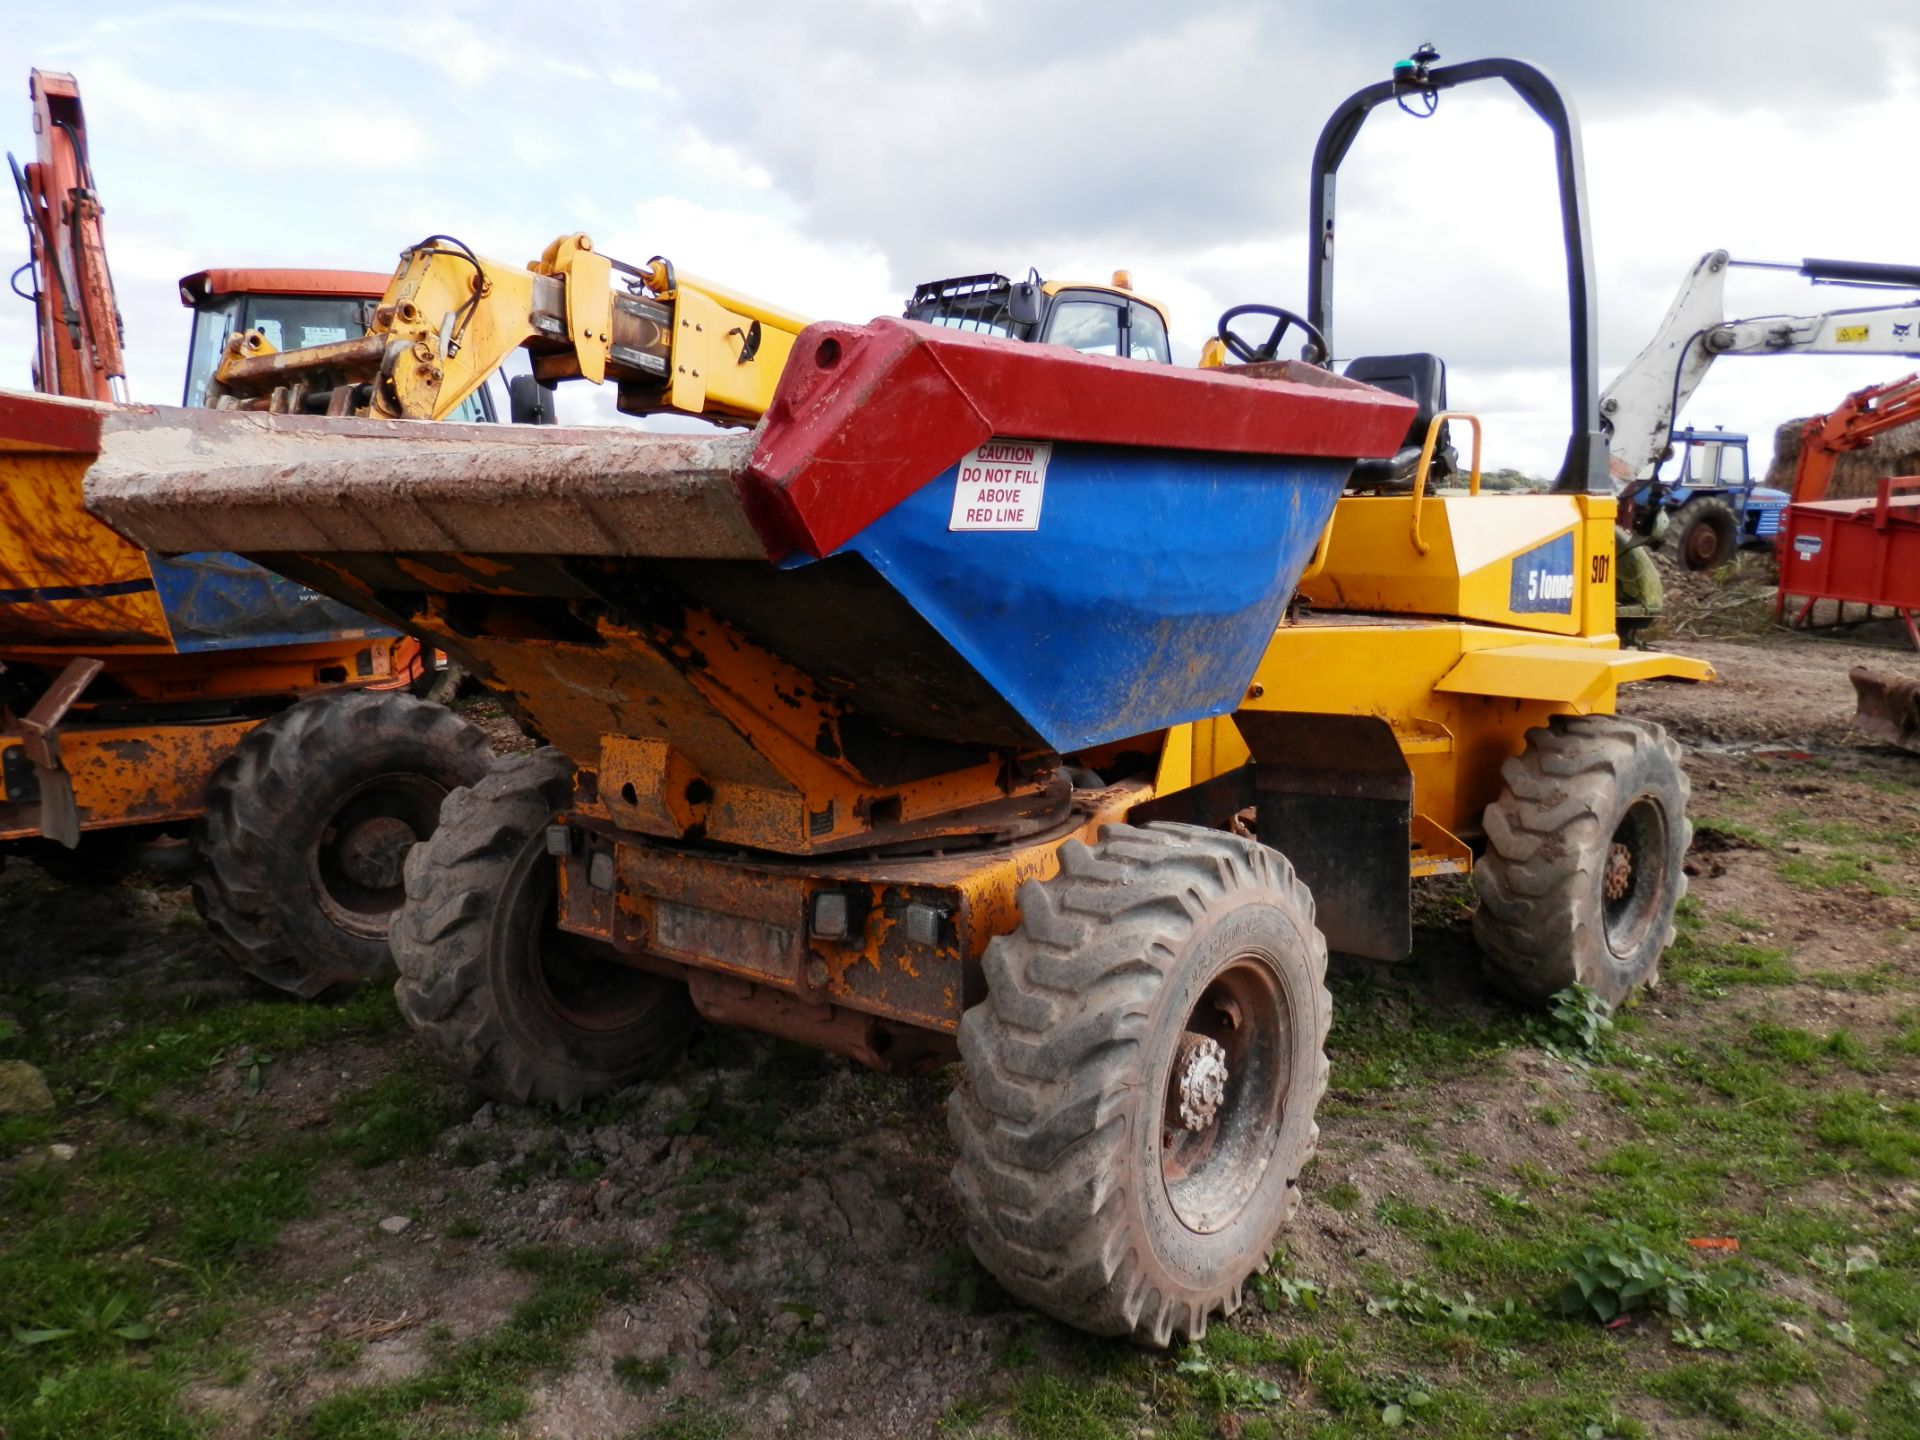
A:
[(529, 402)]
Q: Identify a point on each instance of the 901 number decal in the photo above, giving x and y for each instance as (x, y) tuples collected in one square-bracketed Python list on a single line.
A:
[(1602, 567)]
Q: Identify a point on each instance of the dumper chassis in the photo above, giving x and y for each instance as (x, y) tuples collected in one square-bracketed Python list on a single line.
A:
[(839, 754)]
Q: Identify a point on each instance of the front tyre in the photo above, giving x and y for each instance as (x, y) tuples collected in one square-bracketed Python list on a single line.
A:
[(1583, 866), (297, 860), (497, 991), (1141, 1080)]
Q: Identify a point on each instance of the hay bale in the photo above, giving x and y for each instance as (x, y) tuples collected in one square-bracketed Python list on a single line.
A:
[(1855, 473)]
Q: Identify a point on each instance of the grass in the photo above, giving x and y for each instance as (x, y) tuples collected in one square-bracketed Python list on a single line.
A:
[(400, 1115), (1718, 1131), (479, 1385), (165, 1212), (189, 1045), (1747, 1101), (1712, 966), (1837, 870), (1373, 1050)]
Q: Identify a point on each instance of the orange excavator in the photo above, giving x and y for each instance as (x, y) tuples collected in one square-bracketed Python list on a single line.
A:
[(1850, 425), (80, 331), (145, 697)]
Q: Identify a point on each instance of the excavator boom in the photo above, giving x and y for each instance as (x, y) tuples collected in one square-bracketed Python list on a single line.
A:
[(1640, 406), (78, 351), (1849, 426)]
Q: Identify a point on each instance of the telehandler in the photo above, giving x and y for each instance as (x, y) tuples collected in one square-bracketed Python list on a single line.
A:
[(927, 719)]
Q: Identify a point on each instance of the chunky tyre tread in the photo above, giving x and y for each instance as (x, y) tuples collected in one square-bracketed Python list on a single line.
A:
[(1711, 510), (1546, 836), (441, 939), (1052, 1056), (242, 886)]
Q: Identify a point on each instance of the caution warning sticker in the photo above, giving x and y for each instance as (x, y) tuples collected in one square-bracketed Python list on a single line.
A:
[(1000, 486)]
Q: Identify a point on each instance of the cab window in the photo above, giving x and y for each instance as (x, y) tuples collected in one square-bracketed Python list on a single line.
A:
[(290, 322), (1147, 335), (1090, 326), (474, 410)]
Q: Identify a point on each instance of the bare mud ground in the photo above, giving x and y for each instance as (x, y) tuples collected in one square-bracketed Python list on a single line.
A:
[(246, 1217)]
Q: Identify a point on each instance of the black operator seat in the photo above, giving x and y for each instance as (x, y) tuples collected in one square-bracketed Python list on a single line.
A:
[(1421, 378)]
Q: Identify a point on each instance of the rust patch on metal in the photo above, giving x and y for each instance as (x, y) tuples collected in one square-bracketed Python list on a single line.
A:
[(915, 927)]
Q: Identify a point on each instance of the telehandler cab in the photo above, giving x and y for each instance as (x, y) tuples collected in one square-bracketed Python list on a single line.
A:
[(927, 720), (1093, 319)]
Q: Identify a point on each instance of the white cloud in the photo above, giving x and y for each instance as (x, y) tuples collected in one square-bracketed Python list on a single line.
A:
[(828, 156), (288, 134), (759, 254)]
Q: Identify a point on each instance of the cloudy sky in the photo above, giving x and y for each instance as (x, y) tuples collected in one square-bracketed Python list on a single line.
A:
[(829, 154)]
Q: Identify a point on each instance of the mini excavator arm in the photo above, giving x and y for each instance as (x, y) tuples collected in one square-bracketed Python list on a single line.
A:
[(1641, 405), (667, 340)]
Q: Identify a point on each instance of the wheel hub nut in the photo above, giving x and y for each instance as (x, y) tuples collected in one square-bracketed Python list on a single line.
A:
[(1200, 1066), (1619, 876), (374, 853)]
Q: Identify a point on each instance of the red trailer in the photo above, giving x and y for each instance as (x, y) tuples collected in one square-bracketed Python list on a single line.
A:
[(1859, 552)]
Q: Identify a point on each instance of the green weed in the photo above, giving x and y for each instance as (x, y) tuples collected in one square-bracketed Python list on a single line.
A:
[(1620, 1274)]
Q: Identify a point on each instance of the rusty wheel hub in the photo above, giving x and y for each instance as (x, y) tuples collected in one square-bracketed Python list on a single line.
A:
[(1703, 542), (373, 853), (1200, 1079), (1619, 876), (1225, 1091), (358, 862)]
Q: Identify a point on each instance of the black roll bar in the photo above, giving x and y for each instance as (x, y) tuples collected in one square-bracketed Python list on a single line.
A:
[(1585, 466)]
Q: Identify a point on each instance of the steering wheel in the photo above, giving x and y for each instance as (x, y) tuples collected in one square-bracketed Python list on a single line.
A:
[(1270, 348)]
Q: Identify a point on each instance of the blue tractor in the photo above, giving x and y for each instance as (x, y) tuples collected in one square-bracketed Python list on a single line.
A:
[(1713, 505)]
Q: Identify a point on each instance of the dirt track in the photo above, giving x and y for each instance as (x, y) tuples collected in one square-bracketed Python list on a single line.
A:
[(1785, 690), (779, 1253)]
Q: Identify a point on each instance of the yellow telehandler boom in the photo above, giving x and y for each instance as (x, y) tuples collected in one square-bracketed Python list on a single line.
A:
[(666, 339)]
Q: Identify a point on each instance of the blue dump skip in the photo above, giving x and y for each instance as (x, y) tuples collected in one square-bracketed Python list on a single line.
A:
[(217, 601), (1144, 596)]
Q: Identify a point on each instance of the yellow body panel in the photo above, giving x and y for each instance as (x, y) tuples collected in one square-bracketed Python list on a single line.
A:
[(1576, 680), (1430, 643), (1459, 698), (50, 543), (1472, 541), (709, 335)]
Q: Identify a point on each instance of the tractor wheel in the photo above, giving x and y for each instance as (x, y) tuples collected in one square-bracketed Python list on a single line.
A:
[(500, 994), (297, 861), (1583, 866), (1141, 1080), (1707, 531)]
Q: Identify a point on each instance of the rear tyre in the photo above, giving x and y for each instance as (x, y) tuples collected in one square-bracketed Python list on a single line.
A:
[(297, 861), (497, 991), (1141, 1080), (1583, 866), (1707, 531)]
